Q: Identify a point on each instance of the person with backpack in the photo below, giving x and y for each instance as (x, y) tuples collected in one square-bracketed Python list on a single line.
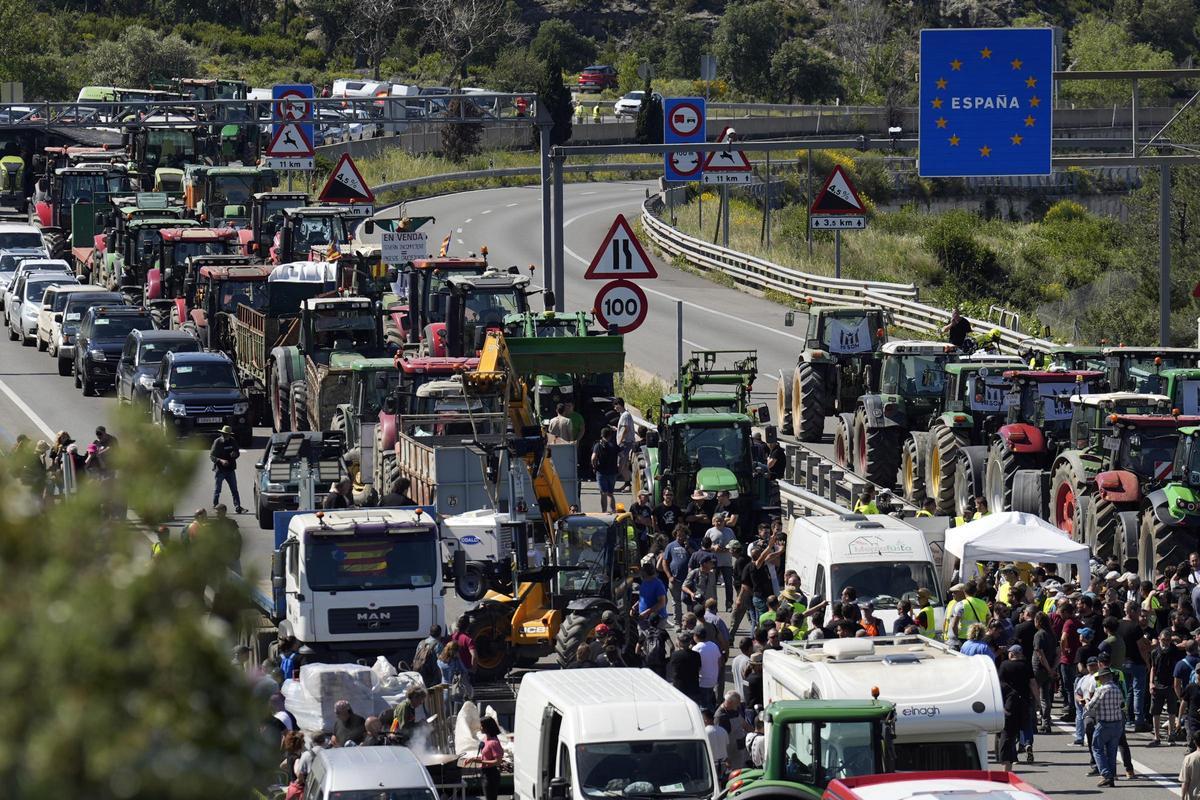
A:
[(425, 659), (1188, 689), (654, 646)]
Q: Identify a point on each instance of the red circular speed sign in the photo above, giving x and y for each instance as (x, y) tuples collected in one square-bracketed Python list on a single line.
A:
[(621, 303)]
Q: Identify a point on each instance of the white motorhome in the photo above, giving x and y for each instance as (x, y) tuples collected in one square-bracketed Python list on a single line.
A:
[(884, 559), (947, 704), (587, 734)]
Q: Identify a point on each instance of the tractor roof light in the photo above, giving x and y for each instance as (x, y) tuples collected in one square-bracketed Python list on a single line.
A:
[(1175, 412), (1158, 361), (1112, 418)]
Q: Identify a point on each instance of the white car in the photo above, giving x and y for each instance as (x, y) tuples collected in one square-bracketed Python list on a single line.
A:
[(10, 260), (20, 234), (54, 302), (631, 104), (26, 267), (27, 303)]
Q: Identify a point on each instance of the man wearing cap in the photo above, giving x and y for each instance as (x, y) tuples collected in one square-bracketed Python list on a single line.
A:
[(1085, 684), (719, 537), (1162, 690), (1004, 590), (696, 517), (224, 455), (965, 610), (701, 583), (1106, 709), (674, 565)]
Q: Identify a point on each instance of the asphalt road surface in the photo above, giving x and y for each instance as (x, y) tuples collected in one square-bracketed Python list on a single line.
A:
[(35, 401)]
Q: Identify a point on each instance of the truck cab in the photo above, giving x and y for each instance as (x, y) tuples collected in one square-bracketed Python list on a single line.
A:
[(357, 583)]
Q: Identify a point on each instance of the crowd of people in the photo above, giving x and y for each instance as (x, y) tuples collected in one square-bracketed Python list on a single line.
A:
[(52, 470)]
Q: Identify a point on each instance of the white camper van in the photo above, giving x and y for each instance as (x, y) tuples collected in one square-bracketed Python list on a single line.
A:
[(581, 732), (885, 559), (947, 704)]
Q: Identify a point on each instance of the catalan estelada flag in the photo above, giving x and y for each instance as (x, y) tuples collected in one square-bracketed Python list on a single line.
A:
[(445, 246)]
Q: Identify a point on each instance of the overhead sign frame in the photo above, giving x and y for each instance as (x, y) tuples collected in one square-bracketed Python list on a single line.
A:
[(613, 252)]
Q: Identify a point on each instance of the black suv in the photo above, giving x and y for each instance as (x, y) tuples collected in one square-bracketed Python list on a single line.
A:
[(199, 392), (102, 334), (144, 351)]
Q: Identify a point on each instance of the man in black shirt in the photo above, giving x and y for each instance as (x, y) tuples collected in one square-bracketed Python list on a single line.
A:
[(398, 496), (1087, 616), (957, 329), (224, 455), (667, 514), (1137, 654), (1024, 630), (1016, 673), (604, 462), (776, 460), (684, 668), (696, 517), (350, 727)]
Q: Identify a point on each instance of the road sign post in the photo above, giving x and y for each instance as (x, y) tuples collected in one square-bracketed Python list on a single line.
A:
[(837, 207), (986, 102), (683, 123)]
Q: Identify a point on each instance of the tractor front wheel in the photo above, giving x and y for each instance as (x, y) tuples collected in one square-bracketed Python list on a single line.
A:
[(912, 467), (1065, 488), (878, 452), (783, 405), (808, 404), (489, 627), (941, 454)]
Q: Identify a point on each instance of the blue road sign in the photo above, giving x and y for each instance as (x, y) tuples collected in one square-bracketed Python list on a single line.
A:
[(288, 104), (986, 102), (683, 123)]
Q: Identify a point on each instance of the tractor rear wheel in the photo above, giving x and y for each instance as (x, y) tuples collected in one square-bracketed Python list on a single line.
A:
[(1081, 530), (808, 404), (1129, 531), (912, 466), (1100, 531), (1028, 493), (968, 478), (1160, 546), (386, 468), (1002, 466), (1065, 488), (298, 406), (489, 626), (575, 629), (783, 405), (843, 441), (277, 396), (941, 454), (877, 451)]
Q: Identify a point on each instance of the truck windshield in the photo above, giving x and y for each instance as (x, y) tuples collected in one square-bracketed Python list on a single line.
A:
[(384, 794), (217, 375), (364, 562), (1150, 453), (243, 293), (644, 769), (185, 250), (716, 446), (818, 753), (885, 583)]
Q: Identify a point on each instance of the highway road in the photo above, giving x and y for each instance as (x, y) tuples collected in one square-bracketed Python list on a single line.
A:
[(34, 400)]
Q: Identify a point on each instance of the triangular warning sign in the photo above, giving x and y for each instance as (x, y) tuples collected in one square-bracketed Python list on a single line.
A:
[(727, 161), (289, 140), (837, 195), (346, 184), (620, 256)]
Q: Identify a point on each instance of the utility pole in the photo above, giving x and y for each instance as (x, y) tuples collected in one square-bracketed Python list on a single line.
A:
[(544, 125), (1164, 255)]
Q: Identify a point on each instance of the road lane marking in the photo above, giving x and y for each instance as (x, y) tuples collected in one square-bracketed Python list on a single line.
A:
[(768, 375), (585, 194), (694, 344), (29, 412), (458, 230), (511, 205), (488, 211), (1168, 782), (460, 241), (466, 221)]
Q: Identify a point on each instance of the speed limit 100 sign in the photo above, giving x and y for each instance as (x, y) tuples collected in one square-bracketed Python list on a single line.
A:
[(622, 304)]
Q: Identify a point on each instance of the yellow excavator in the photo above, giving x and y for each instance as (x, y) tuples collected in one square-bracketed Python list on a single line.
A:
[(580, 565)]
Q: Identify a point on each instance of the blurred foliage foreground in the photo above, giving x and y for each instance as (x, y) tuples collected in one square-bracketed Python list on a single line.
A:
[(116, 668)]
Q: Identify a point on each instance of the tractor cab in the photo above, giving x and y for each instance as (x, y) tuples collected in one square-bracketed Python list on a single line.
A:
[(1092, 415), (80, 191), (1138, 369), (912, 377), (845, 331), (169, 139), (1043, 400), (475, 305), (266, 217), (222, 196), (1066, 356), (977, 396), (310, 233), (331, 325), (1182, 385), (177, 244), (128, 250), (591, 557), (428, 289)]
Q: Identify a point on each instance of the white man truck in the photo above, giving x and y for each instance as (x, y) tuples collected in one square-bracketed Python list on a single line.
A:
[(358, 583), (947, 704), (587, 734)]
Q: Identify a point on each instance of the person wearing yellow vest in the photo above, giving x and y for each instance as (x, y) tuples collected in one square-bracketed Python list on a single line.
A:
[(925, 618), (981, 507), (927, 508), (964, 611), (1004, 590), (866, 502)]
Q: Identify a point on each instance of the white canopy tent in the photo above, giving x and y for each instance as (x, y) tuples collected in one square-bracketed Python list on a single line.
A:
[(1014, 536)]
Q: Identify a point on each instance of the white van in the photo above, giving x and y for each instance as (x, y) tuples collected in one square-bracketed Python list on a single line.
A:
[(947, 704), (883, 558), (368, 772), (587, 734)]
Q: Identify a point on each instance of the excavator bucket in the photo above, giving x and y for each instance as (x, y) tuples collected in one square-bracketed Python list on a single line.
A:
[(575, 355)]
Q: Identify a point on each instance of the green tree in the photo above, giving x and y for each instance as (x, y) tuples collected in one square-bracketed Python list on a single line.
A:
[(801, 72), (684, 41), (140, 57), (745, 41), (560, 42), (649, 126), (333, 18), (1096, 44), (1169, 24), (555, 97), (460, 140), (515, 70), (117, 677)]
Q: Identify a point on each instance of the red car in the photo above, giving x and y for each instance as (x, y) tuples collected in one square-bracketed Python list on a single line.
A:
[(597, 78)]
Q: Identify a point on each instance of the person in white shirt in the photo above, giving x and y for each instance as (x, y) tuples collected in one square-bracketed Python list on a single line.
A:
[(710, 666), (756, 744), (718, 741), (626, 438), (739, 664)]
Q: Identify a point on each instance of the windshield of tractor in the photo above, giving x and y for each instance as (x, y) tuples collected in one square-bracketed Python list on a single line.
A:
[(556, 329), (401, 560), (314, 231), (353, 326), (848, 334), (1141, 374), (819, 752), (377, 387), (272, 216), (988, 393), (170, 147), (146, 241), (89, 187), (583, 542), (914, 375), (185, 250), (242, 293), (1049, 401), (884, 582), (1149, 452), (233, 190), (720, 446), (489, 307), (645, 769), (215, 375)]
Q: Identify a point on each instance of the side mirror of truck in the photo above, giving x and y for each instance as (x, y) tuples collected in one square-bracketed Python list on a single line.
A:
[(789, 319), (559, 789), (369, 227), (459, 564), (58, 317), (548, 299), (157, 384)]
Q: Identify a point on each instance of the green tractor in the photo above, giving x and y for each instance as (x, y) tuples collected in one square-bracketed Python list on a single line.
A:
[(836, 367), (811, 743), (1063, 356), (1182, 385), (1138, 369), (716, 381), (975, 405), (373, 391), (12, 183), (1116, 493), (874, 439)]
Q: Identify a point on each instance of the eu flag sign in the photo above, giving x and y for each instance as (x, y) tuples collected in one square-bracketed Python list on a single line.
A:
[(985, 102)]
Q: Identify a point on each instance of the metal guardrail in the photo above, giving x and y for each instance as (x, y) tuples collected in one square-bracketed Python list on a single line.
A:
[(899, 298), (508, 172)]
